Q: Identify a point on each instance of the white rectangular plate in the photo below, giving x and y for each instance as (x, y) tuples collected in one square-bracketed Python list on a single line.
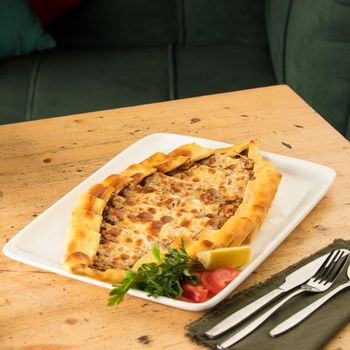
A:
[(41, 243)]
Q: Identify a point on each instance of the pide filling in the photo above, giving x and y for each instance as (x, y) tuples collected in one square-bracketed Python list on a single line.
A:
[(162, 207)]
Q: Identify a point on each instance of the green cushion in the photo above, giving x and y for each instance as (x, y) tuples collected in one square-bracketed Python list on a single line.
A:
[(310, 46), (68, 81), (16, 79), (347, 131), (123, 23), (277, 16), (118, 23), (318, 57), (208, 22), (214, 69), (20, 30)]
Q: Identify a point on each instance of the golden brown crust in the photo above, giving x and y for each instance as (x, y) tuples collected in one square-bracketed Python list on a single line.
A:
[(109, 275), (101, 191), (171, 164), (83, 235), (192, 151), (90, 202), (117, 182), (86, 218), (138, 170), (236, 149), (164, 163), (81, 246)]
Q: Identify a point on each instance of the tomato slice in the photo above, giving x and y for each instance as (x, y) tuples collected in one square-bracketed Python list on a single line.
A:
[(218, 279), (211, 283), (204, 281), (195, 293)]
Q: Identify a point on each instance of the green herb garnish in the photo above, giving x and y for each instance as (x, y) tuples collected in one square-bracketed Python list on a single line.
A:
[(162, 279)]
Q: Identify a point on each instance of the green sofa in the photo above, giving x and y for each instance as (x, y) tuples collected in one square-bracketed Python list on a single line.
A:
[(116, 53)]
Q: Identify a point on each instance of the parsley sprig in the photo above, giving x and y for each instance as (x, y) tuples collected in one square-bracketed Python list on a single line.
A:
[(157, 279)]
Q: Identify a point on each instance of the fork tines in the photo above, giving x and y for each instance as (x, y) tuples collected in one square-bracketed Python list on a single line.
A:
[(332, 266), (343, 260)]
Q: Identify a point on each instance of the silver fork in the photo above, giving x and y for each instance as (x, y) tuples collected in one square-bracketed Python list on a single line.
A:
[(298, 317), (319, 282)]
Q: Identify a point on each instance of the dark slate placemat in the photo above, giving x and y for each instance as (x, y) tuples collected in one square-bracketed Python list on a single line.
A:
[(313, 333)]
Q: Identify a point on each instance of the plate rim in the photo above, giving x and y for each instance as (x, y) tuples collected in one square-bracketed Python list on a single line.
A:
[(10, 248)]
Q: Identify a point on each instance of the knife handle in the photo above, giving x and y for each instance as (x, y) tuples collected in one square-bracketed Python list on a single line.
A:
[(235, 338), (240, 315), (305, 312)]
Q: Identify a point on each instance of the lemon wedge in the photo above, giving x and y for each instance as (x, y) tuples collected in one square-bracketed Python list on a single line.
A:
[(233, 257)]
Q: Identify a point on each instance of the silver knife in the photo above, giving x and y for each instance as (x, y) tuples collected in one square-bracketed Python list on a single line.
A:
[(293, 280), (298, 317)]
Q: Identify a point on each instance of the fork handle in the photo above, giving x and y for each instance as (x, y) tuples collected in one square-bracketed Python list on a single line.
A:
[(257, 322), (240, 315), (305, 312)]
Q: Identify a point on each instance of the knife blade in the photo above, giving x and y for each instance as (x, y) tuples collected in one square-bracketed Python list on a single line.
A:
[(302, 314), (292, 280)]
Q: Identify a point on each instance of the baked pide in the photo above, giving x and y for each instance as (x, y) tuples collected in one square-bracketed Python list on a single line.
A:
[(204, 198)]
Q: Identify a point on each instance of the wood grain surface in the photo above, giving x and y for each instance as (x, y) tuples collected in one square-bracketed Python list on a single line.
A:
[(42, 160)]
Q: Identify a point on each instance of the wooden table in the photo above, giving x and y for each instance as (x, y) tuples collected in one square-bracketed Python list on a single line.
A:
[(42, 160)]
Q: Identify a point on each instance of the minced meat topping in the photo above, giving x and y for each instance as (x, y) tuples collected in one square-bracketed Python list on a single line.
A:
[(164, 206)]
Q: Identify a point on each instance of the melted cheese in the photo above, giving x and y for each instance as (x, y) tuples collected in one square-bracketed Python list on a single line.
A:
[(165, 207)]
